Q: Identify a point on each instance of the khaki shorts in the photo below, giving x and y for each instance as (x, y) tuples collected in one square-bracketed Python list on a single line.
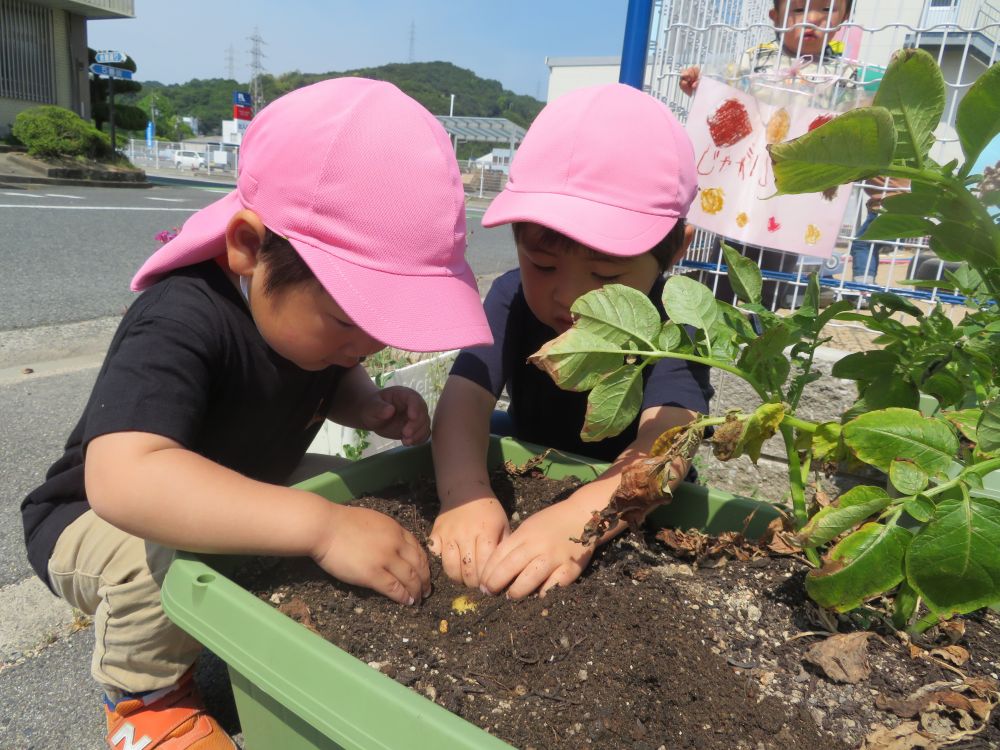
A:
[(116, 577)]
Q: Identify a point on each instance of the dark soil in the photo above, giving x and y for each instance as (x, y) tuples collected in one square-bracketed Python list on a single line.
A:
[(644, 651)]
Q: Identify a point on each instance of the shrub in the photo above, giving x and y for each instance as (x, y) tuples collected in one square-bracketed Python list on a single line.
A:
[(50, 131)]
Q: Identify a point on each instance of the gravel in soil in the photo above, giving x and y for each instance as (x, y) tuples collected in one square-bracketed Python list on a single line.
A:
[(645, 650)]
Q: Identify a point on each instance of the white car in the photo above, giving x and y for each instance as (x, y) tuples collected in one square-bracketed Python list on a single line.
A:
[(189, 159)]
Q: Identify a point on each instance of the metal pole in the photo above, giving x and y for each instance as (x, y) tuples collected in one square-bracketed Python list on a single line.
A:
[(111, 110), (482, 170), (451, 109), (636, 45)]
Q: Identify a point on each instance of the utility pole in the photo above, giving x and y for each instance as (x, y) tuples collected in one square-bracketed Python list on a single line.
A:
[(413, 36), (257, 70)]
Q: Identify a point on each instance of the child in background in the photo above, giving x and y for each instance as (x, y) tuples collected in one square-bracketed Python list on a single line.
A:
[(597, 195), (803, 51), (346, 232), (804, 57)]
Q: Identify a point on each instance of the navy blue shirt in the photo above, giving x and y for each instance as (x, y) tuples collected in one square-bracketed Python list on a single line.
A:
[(542, 412), (188, 363)]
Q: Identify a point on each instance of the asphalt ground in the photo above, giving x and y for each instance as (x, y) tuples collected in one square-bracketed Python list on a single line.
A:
[(67, 254)]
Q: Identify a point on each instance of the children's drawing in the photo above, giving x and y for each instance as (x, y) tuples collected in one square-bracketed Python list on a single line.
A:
[(731, 130)]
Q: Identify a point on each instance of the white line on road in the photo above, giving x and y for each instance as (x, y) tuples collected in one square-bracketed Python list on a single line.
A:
[(98, 208), (168, 200), (25, 195), (60, 195)]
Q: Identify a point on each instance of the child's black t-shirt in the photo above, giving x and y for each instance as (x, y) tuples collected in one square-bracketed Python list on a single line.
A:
[(542, 412), (188, 363)]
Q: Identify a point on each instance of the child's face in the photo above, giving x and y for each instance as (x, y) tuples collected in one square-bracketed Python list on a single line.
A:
[(306, 326), (554, 278), (801, 41)]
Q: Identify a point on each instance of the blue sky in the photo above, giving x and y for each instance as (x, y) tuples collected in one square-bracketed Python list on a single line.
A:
[(176, 41)]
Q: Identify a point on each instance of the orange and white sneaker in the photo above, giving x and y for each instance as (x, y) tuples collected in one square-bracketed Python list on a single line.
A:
[(170, 719)]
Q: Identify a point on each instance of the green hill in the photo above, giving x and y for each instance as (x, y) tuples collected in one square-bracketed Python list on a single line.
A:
[(431, 84)]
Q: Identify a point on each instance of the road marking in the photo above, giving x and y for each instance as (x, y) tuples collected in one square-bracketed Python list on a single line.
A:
[(98, 208), (168, 200), (42, 369), (25, 195), (60, 195)]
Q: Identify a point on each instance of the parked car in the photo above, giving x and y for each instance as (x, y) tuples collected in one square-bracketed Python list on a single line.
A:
[(189, 160)]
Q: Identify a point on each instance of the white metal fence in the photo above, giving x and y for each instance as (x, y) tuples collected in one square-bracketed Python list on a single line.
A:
[(217, 158), (962, 34)]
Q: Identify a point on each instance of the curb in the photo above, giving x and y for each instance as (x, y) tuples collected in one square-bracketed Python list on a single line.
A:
[(22, 179)]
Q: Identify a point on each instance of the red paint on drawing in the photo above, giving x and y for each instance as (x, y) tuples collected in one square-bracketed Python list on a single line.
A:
[(821, 120), (773, 225), (730, 124)]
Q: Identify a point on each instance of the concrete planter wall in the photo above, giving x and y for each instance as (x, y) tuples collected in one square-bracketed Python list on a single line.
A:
[(425, 377)]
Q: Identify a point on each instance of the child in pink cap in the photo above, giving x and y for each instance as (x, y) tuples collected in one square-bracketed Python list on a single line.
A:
[(597, 195), (346, 233)]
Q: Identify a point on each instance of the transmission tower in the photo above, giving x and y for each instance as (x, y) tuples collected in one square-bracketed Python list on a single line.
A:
[(256, 70), (413, 39), (231, 63)]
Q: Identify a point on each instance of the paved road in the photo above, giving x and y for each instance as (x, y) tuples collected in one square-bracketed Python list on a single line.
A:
[(68, 254)]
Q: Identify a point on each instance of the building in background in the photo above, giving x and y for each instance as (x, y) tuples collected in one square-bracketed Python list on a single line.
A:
[(43, 53)]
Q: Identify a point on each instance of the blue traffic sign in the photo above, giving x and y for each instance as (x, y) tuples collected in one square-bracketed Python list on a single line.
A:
[(109, 56), (242, 99), (111, 72)]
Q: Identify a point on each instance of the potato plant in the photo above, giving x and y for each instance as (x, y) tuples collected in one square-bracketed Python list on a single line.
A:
[(934, 538)]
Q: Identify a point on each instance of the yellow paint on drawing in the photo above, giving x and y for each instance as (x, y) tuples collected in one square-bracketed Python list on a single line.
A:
[(812, 234), (711, 200), (742, 219)]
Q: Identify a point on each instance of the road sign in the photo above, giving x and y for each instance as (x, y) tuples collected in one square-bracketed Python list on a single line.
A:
[(242, 113), (150, 133), (111, 72), (109, 56), (242, 98)]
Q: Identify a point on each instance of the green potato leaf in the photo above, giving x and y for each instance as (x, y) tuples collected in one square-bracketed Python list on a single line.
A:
[(850, 509), (880, 437), (978, 117), (864, 564), (744, 275), (920, 507), (988, 429), (866, 366), (857, 144), (618, 314), (613, 404), (912, 89), (689, 302), (577, 359), (907, 477), (953, 561)]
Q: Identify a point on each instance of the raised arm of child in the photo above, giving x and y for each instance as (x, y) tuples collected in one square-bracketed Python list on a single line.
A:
[(394, 412), (471, 521), (153, 487), (540, 553)]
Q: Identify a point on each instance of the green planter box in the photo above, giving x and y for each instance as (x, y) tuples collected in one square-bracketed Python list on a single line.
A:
[(296, 691)]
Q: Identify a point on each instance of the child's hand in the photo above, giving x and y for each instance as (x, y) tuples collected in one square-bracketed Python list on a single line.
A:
[(366, 548), (689, 79), (539, 554), (398, 413), (466, 536)]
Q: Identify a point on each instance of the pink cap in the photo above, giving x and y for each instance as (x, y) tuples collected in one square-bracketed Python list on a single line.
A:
[(608, 166), (363, 182)]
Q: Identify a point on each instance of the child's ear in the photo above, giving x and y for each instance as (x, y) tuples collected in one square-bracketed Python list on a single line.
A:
[(682, 250), (244, 236), (773, 15)]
